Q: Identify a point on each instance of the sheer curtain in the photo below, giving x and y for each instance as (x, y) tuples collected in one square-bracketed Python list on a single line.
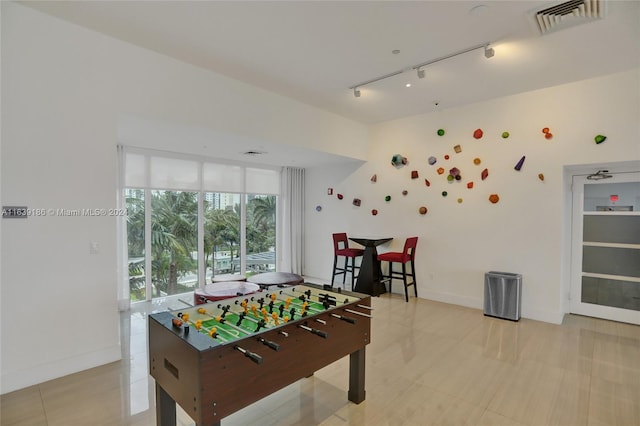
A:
[(121, 228), (292, 204)]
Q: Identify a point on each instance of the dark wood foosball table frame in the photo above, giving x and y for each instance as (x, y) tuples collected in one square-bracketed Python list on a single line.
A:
[(211, 380)]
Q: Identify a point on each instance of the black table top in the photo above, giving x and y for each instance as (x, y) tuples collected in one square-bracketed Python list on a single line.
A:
[(370, 241)]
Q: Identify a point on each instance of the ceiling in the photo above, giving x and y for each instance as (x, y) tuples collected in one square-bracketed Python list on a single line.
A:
[(314, 51)]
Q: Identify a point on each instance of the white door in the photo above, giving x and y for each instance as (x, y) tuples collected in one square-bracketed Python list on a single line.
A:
[(605, 255)]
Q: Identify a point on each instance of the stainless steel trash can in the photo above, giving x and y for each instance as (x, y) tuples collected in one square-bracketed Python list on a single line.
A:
[(502, 295)]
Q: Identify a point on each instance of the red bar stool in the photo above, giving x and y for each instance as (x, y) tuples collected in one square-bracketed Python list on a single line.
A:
[(404, 257), (341, 248)]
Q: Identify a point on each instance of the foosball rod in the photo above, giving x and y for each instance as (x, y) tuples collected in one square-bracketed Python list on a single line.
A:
[(343, 318), (315, 331), (296, 299), (209, 332), (357, 313), (225, 321)]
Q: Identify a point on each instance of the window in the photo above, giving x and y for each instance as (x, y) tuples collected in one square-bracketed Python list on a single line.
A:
[(190, 220)]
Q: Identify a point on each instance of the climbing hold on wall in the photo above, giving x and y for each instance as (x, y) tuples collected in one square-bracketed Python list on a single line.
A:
[(494, 198), (340, 196), (457, 149), (357, 202), (469, 185), (519, 164), (387, 198), (477, 161), (374, 178), (398, 160), (432, 160), (445, 193), (374, 212), (478, 133), (505, 135), (414, 174), (422, 210), (440, 170), (541, 176), (405, 192), (440, 132), (599, 139), (426, 182), (484, 174)]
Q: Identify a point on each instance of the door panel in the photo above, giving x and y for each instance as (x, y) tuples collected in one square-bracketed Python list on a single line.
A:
[(605, 265)]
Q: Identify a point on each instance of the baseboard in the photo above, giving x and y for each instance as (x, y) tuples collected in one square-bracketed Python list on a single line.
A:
[(16, 380), (454, 299), (553, 317)]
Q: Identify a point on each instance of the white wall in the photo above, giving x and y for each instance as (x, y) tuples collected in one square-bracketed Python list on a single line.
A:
[(64, 89), (524, 233)]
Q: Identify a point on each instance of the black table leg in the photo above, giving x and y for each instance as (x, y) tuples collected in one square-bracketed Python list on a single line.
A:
[(356, 376), (165, 408), (368, 281)]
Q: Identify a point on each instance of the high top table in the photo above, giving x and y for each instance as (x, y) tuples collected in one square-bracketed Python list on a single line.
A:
[(368, 281)]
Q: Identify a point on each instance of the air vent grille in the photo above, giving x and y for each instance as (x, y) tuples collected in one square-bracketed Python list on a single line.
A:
[(570, 13)]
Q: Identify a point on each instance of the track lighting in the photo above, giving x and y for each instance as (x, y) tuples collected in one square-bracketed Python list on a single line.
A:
[(489, 52)]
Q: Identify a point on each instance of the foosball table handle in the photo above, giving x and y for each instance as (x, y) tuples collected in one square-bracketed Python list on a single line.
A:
[(315, 331), (269, 343), (251, 355)]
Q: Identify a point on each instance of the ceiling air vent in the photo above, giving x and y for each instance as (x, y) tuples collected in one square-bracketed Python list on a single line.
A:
[(569, 14)]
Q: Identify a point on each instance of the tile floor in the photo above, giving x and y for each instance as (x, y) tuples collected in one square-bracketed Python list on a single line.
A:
[(429, 363)]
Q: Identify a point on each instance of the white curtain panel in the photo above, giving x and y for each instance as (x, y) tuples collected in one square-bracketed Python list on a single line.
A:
[(121, 228), (292, 220)]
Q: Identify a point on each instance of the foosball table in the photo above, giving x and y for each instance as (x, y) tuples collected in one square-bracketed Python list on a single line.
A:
[(217, 358)]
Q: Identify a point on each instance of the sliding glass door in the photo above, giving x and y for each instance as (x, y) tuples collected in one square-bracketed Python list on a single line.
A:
[(190, 220)]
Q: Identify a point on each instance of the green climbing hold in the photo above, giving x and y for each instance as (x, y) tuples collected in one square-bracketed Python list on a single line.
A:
[(505, 135), (440, 132), (600, 138), (444, 193)]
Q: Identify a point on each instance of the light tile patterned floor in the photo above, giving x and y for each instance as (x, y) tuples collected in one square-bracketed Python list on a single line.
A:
[(429, 363)]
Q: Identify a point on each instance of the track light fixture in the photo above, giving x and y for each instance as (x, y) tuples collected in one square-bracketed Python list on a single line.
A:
[(488, 53)]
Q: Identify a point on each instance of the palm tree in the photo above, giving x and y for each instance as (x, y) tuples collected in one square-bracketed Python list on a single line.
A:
[(135, 242), (174, 217), (264, 211), (222, 232)]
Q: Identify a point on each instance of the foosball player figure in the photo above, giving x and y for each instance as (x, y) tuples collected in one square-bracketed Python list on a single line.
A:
[(261, 324), (225, 309), (240, 318)]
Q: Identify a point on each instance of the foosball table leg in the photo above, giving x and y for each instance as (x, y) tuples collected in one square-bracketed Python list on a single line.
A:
[(165, 408), (356, 392)]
